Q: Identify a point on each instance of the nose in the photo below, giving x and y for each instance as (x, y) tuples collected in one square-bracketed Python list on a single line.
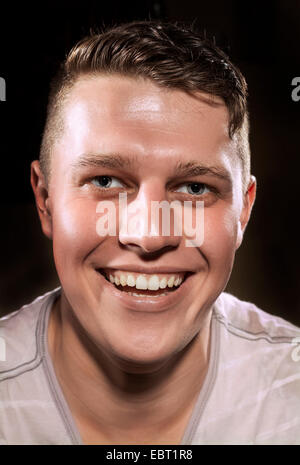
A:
[(147, 223)]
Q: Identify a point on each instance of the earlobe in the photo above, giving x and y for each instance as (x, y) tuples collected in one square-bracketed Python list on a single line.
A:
[(239, 236), (42, 200)]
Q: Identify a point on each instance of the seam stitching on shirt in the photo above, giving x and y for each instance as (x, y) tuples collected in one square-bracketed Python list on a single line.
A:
[(52, 389), (199, 409), (22, 372), (255, 338)]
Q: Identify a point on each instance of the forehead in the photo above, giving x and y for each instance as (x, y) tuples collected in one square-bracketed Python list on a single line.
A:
[(130, 116)]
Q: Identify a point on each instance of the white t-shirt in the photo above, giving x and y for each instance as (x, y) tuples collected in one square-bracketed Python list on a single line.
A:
[(251, 393)]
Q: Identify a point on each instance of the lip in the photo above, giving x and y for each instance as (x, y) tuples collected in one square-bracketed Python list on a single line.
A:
[(150, 304)]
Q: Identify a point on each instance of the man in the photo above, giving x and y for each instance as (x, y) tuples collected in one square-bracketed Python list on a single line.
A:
[(140, 345)]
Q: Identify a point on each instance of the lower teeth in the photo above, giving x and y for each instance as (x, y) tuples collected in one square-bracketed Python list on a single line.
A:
[(147, 295)]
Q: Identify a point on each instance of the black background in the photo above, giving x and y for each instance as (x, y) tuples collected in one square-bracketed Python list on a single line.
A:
[(262, 38)]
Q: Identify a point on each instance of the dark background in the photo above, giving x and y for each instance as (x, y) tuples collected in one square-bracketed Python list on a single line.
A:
[(262, 38)]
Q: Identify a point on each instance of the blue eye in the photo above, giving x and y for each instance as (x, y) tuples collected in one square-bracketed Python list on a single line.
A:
[(194, 188), (106, 182)]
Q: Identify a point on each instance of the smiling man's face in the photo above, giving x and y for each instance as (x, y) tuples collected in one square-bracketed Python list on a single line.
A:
[(146, 138)]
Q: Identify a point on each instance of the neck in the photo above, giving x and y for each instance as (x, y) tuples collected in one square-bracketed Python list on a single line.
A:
[(115, 400)]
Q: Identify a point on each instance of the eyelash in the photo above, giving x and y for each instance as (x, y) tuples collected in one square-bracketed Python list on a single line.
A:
[(105, 176), (211, 189)]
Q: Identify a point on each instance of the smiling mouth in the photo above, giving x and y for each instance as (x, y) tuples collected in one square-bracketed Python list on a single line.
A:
[(142, 285)]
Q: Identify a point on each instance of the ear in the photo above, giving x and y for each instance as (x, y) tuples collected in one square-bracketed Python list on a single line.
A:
[(249, 198), (41, 194)]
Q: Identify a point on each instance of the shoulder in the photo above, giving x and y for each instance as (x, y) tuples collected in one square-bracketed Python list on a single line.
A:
[(264, 346), (20, 334), (255, 381), (246, 320)]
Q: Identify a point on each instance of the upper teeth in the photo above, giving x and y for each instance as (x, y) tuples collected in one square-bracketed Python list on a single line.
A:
[(142, 281)]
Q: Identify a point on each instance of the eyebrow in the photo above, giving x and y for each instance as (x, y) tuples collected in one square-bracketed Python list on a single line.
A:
[(116, 161), (194, 168), (103, 160)]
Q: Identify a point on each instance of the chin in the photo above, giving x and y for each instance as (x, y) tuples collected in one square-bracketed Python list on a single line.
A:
[(140, 360)]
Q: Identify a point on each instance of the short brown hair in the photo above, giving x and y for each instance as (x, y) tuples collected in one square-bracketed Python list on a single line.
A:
[(171, 55)]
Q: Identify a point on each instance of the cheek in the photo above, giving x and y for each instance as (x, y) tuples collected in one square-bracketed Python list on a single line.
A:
[(220, 232), (74, 232)]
